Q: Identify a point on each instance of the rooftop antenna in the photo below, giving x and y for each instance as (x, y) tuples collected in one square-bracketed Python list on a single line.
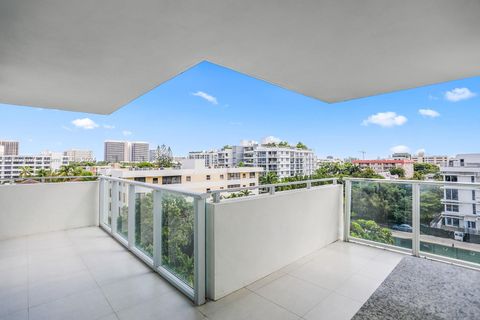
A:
[(363, 154)]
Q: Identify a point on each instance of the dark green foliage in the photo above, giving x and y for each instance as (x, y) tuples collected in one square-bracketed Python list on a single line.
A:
[(400, 172), (177, 232), (300, 145), (369, 230)]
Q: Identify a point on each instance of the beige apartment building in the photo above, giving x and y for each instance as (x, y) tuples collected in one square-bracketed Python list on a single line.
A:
[(193, 176), (384, 166)]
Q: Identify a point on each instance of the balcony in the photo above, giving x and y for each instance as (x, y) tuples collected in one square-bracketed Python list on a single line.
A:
[(283, 253)]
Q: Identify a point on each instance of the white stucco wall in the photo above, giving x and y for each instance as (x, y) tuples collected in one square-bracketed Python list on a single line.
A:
[(33, 208), (249, 238)]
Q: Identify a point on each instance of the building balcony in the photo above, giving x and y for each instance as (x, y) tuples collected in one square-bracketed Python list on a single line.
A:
[(119, 249)]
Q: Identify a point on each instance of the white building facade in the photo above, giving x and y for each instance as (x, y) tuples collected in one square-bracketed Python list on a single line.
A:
[(462, 205), (284, 161), (11, 166), (76, 155)]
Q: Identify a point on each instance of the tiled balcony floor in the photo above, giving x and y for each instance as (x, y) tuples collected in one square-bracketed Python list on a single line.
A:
[(85, 274)]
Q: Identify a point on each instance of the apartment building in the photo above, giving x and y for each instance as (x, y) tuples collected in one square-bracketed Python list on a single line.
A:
[(439, 160), (139, 151), (11, 166), (126, 151), (462, 205), (209, 157), (383, 166), (193, 176), (10, 148), (285, 161), (76, 155)]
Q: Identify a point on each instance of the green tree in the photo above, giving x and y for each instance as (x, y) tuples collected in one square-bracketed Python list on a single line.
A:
[(300, 145), (241, 164), (26, 172), (400, 172), (269, 178), (284, 144), (369, 230), (144, 165)]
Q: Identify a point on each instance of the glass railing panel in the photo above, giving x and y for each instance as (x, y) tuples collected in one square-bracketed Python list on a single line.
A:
[(144, 220), (178, 214), (382, 212), (122, 219), (444, 232)]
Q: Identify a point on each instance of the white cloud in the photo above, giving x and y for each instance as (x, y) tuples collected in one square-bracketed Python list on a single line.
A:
[(400, 149), (206, 96), (127, 133), (429, 113), (459, 94), (271, 139), (85, 123), (385, 119), (108, 126)]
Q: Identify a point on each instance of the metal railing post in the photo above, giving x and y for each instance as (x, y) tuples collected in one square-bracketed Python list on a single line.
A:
[(272, 190), (115, 206), (348, 210), (131, 216), (199, 251), (309, 184), (157, 228), (101, 201), (416, 219)]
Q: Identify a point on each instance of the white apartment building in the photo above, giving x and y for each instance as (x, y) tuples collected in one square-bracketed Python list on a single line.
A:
[(383, 166), (285, 161), (11, 166), (193, 175), (126, 151), (10, 148), (462, 205), (76, 155), (209, 157)]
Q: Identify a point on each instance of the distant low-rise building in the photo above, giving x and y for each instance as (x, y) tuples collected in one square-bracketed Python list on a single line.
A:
[(77, 155), (193, 175), (385, 165), (439, 160), (11, 166)]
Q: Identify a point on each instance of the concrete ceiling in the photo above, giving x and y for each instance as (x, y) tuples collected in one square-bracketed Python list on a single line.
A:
[(96, 56)]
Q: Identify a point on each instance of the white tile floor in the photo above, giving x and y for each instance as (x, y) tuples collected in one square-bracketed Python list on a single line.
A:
[(85, 274)]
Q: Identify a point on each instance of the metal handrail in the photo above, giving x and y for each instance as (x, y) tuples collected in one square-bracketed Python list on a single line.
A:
[(421, 182), (47, 178), (271, 187), (157, 187)]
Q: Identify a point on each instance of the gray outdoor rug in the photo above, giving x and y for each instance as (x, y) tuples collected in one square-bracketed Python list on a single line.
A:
[(424, 289)]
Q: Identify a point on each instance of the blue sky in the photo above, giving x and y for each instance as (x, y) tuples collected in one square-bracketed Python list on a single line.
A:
[(210, 106)]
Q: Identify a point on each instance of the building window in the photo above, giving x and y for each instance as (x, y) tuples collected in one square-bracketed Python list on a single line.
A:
[(221, 188), (252, 184), (252, 174), (231, 186), (452, 222), (139, 179), (222, 177), (471, 225), (234, 176), (472, 179), (155, 180), (244, 175), (208, 177), (208, 189), (451, 207), (473, 195), (474, 208), (189, 178), (172, 180), (451, 178), (451, 194)]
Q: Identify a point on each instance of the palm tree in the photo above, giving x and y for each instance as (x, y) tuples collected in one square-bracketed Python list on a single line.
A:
[(269, 178), (26, 172)]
